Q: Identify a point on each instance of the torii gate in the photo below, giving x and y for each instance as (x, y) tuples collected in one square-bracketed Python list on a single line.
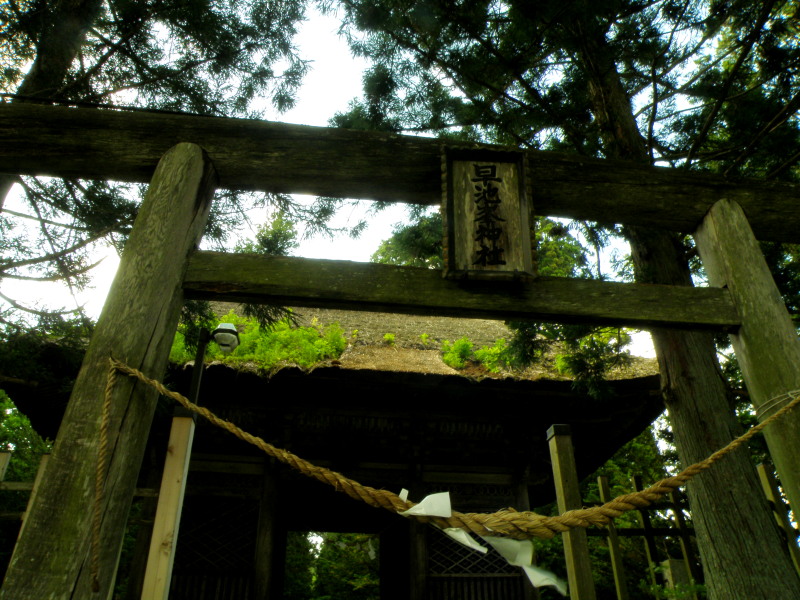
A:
[(160, 267)]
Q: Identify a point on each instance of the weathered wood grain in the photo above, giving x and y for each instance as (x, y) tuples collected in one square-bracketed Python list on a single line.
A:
[(780, 511), (37, 481), (766, 345), (271, 539), (137, 325), (568, 497), (612, 540), (258, 155), (160, 559), (364, 286)]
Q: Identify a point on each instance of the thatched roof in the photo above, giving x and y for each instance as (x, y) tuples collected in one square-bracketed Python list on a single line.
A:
[(408, 352), (386, 414)]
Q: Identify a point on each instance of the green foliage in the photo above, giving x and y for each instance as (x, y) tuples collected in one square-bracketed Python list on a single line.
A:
[(784, 263), (558, 253), (18, 436), (418, 244), (300, 559), (425, 339), (530, 341), (679, 592), (196, 315), (639, 457), (48, 355), (347, 567), (136, 523), (458, 353), (267, 315), (494, 357), (27, 446), (276, 238), (270, 347), (586, 353), (388, 339), (590, 357)]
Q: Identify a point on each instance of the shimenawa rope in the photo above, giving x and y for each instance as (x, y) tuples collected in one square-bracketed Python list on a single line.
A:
[(99, 480), (504, 523)]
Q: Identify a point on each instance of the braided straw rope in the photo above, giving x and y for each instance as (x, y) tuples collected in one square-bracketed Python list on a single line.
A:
[(505, 523), (99, 481)]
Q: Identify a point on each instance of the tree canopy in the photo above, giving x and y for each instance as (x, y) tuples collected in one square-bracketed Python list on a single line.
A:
[(692, 84), (204, 57), (696, 74)]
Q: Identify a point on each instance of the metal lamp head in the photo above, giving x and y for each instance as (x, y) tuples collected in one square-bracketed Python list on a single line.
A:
[(226, 337)]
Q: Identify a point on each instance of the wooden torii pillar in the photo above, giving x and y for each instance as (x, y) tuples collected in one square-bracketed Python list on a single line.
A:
[(766, 343), (52, 557)]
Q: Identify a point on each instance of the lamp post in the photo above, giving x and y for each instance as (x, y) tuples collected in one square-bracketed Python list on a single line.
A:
[(197, 369), (226, 337), (161, 557)]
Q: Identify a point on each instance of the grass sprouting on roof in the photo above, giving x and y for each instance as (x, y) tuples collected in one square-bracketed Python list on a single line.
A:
[(267, 348)]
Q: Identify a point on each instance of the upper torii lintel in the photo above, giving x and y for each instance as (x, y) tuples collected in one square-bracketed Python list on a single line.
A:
[(258, 155)]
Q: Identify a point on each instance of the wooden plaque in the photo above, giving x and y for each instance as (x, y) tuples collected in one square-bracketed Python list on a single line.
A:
[(485, 205)]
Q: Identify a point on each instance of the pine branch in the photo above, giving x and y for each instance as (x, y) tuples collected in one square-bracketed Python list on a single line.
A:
[(786, 113), (113, 48), (74, 273), (785, 165), (746, 48), (49, 222), (54, 256), (33, 311)]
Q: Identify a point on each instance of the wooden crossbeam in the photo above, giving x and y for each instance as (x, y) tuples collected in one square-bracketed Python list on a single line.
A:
[(363, 286), (276, 157)]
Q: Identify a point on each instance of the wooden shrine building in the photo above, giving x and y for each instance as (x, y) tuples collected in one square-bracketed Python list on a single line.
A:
[(482, 441), (185, 158)]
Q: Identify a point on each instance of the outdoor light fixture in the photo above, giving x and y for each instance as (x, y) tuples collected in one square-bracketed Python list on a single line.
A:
[(226, 337)]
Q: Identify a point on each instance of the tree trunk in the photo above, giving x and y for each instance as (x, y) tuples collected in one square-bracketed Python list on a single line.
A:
[(62, 35), (740, 547)]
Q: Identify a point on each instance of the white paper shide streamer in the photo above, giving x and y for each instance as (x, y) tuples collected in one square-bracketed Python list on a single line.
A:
[(520, 554), (435, 505), (517, 552)]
